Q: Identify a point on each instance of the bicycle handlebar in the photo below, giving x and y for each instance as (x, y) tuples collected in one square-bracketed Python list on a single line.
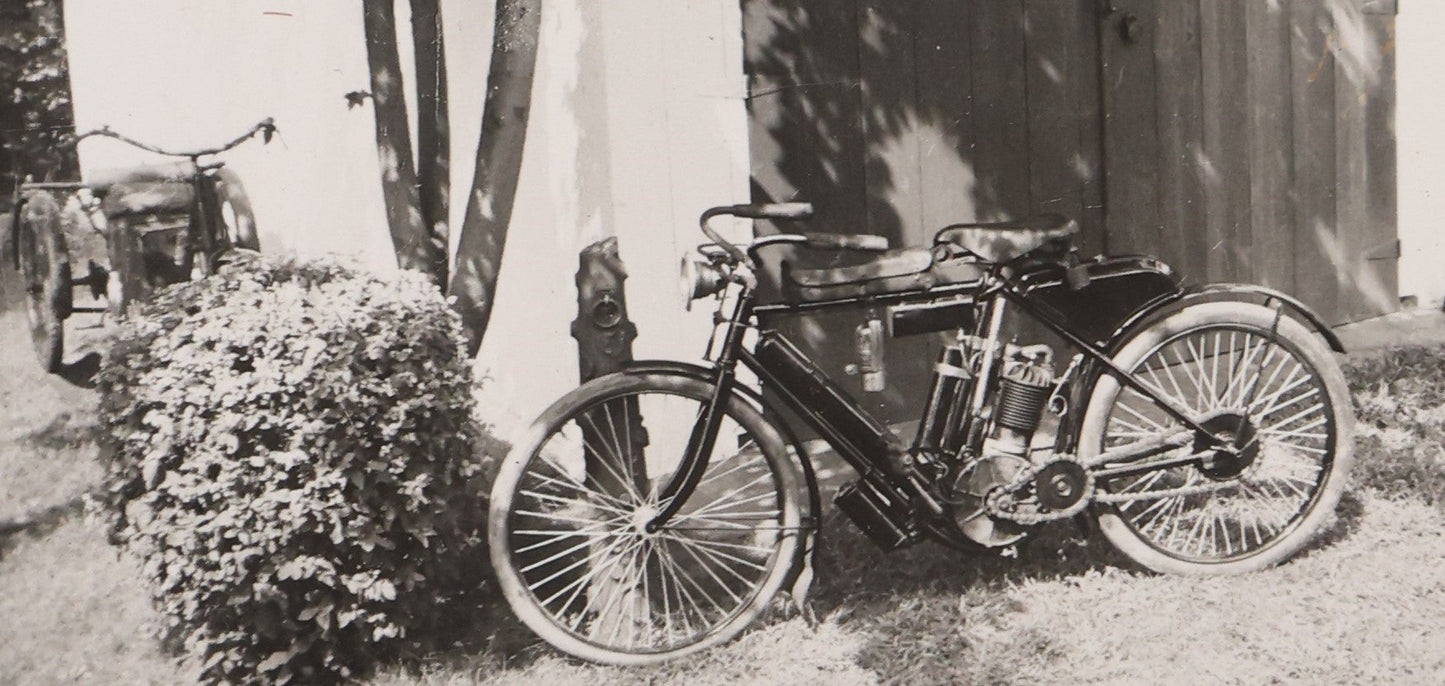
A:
[(860, 242), (785, 211), (266, 127)]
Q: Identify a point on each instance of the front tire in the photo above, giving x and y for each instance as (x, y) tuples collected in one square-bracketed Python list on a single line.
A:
[(567, 534), (1237, 511)]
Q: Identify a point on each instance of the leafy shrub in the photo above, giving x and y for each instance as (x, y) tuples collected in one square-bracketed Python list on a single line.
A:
[(290, 450)]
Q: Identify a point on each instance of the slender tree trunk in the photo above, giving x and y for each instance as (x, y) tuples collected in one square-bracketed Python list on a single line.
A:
[(433, 130), (498, 164), (393, 139)]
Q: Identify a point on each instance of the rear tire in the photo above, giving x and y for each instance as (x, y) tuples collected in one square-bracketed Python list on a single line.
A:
[(45, 277), (1251, 508), (566, 533)]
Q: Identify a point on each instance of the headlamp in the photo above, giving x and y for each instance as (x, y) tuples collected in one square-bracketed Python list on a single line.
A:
[(700, 278)]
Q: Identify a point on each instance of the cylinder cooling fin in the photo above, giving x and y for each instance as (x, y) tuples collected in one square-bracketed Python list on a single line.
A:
[(1024, 390)]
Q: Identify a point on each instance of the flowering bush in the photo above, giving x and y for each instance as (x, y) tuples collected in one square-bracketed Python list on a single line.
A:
[(290, 450)]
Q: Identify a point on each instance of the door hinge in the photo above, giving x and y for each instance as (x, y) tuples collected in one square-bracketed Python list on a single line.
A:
[(1389, 250)]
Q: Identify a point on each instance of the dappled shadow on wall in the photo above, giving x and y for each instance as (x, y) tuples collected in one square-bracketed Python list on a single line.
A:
[(898, 118)]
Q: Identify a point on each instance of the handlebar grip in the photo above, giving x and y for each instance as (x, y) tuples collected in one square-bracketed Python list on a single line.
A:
[(777, 210), (862, 242)]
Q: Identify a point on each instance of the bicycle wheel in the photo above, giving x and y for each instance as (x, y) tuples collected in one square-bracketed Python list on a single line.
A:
[(45, 271), (566, 523), (1282, 401), (236, 213)]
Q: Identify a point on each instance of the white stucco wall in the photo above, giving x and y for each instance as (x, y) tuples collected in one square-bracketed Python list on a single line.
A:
[(638, 125), (1421, 137)]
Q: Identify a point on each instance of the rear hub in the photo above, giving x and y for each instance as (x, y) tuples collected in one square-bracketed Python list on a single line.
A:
[(1235, 449)]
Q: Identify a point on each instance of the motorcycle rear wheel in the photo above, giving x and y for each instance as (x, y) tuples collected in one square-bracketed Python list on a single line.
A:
[(1243, 510), (566, 526)]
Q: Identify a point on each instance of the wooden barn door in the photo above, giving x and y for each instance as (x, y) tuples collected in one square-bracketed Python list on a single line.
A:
[(1253, 141), (899, 117), (1240, 140)]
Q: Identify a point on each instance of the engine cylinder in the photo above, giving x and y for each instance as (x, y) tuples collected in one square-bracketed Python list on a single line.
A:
[(1020, 404), (1024, 391)]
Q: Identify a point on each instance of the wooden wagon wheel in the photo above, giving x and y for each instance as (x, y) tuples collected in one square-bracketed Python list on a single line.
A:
[(45, 271)]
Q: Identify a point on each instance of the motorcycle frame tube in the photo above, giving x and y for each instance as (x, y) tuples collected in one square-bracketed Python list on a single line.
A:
[(864, 459)]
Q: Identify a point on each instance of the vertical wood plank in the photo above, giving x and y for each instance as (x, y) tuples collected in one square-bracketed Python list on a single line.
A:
[(1131, 139), (1356, 66), (806, 140), (1317, 249), (1270, 144), (887, 77), (805, 134), (1055, 67), (1001, 146), (1183, 166), (1224, 165), (1382, 163), (943, 55), (1088, 98)]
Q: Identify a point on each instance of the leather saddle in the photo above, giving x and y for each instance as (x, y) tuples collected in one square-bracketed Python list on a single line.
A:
[(960, 253), (146, 189)]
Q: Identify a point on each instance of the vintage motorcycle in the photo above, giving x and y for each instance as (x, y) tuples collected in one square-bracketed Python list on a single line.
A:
[(657, 511)]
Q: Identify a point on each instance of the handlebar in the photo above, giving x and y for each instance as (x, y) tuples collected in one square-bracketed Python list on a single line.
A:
[(788, 211), (861, 242), (266, 127)]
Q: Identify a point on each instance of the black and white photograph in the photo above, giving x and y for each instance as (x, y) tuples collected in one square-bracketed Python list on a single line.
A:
[(722, 342)]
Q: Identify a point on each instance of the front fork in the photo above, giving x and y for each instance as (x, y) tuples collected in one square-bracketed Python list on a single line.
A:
[(704, 433)]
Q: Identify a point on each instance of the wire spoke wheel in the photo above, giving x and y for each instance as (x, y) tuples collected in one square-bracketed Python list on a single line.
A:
[(45, 274), (1277, 402), (569, 514)]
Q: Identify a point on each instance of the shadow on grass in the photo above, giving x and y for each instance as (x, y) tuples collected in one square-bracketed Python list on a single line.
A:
[(66, 431), (1348, 516), (918, 606), (924, 607), (81, 372), (38, 524)]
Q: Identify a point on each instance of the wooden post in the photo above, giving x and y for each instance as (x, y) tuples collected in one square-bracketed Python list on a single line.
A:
[(613, 436), (604, 345), (603, 332)]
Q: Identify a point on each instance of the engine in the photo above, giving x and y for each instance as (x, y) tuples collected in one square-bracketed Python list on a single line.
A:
[(1024, 384)]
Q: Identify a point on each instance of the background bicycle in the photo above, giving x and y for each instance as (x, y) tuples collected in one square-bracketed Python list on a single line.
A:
[(92, 246)]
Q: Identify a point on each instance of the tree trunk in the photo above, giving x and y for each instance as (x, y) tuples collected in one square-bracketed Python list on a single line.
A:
[(433, 130), (393, 139), (498, 164)]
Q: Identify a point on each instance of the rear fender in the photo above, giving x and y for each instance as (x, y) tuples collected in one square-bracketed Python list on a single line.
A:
[(1167, 304), (1216, 292)]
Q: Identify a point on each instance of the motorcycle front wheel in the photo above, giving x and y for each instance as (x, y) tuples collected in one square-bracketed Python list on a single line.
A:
[(1264, 383), (567, 526)]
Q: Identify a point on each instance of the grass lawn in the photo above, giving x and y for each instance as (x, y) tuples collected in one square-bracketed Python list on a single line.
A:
[(1364, 605)]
